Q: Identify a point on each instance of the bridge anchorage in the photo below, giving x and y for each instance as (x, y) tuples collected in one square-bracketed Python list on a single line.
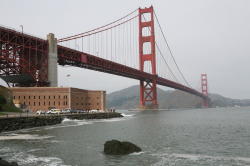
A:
[(118, 48)]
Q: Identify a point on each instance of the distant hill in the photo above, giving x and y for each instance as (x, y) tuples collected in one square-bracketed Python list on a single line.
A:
[(128, 98), (220, 101)]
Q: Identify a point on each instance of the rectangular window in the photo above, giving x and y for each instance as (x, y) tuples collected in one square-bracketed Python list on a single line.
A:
[(54, 97), (23, 97), (49, 103), (34, 97), (49, 97), (59, 103), (34, 103), (14, 97), (39, 97), (39, 103), (18, 97), (54, 103), (66, 103), (44, 97), (44, 103), (59, 97), (29, 97)]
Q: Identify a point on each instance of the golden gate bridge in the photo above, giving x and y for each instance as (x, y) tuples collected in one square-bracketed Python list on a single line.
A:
[(132, 46)]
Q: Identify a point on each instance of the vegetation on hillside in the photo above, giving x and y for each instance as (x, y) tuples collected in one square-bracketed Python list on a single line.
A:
[(129, 99), (6, 103)]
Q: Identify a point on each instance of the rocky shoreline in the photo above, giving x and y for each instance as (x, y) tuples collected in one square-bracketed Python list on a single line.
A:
[(17, 123)]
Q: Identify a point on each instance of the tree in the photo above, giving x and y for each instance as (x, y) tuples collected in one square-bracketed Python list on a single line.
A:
[(2, 100)]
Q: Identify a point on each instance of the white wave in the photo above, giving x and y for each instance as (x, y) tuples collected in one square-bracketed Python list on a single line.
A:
[(167, 158), (28, 159), (34, 150), (197, 157), (187, 156), (5, 150), (66, 120), (136, 153), (127, 115), (23, 137), (108, 120), (79, 122), (69, 123), (74, 122)]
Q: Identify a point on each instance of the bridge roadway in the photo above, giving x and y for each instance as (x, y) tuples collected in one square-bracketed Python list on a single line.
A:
[(68, 56)]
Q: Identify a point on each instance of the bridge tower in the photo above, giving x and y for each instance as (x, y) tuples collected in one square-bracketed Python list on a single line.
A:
[(52, 60), (204, 89), (148, 90)]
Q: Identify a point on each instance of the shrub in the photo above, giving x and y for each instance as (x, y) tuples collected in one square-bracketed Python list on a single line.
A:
[(2, 100)]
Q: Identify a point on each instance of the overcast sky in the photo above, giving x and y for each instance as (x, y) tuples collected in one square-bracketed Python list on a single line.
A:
[(206, 36)]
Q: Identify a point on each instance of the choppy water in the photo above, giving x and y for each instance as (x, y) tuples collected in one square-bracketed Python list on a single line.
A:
[(201, 137)]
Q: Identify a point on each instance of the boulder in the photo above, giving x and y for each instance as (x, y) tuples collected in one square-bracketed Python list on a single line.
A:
[(6, 163), (115, 147)]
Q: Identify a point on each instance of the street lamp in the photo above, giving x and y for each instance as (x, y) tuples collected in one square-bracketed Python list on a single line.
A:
[(68, 75), (22, 28)]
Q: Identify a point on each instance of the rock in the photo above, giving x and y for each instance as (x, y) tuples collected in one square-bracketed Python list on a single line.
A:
[(115, 147), (6, 163)]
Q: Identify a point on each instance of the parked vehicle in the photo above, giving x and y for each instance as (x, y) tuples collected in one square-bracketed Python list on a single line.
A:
[(66, 111), (39, 112), (54, 111), (73, 111), (81, 111), (93, 111)]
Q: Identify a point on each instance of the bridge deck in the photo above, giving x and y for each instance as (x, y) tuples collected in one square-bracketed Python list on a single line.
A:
[(67, 56)]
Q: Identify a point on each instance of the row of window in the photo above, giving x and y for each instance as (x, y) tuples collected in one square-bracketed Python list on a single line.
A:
[(53, 103), (86, 98), (48, 97), (44, 103), (40, 97)]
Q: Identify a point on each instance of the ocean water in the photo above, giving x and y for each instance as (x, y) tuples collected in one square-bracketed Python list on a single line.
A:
[(198, 137)]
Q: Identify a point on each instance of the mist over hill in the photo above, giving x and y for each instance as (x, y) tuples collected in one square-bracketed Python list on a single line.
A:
[(128, 98)]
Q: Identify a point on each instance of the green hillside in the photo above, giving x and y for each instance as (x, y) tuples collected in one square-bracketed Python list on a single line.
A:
[(6, 103), (129, 99)]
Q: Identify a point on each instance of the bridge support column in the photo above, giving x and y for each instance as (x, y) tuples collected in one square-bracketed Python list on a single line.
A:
[(52, 60), (148, 89), (204, 89)]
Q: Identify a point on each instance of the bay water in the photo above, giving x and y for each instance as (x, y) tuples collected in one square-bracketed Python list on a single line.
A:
[(191, 137)]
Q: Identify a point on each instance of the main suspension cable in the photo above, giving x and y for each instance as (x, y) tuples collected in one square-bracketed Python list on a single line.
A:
[(170, 51), (162, 55), (80, 34)]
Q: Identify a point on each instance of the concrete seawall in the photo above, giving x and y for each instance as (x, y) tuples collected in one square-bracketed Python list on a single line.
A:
[(17, 123)]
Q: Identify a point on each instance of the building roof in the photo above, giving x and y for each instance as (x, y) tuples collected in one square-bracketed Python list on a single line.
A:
[(55, 88)]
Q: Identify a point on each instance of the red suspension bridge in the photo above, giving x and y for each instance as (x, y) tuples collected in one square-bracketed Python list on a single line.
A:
[(114, 48)]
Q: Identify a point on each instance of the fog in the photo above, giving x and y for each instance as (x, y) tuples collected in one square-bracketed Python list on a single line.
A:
[(206, 36)]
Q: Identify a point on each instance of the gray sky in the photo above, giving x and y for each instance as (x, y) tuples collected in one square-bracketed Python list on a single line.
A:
[(206, 36)]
